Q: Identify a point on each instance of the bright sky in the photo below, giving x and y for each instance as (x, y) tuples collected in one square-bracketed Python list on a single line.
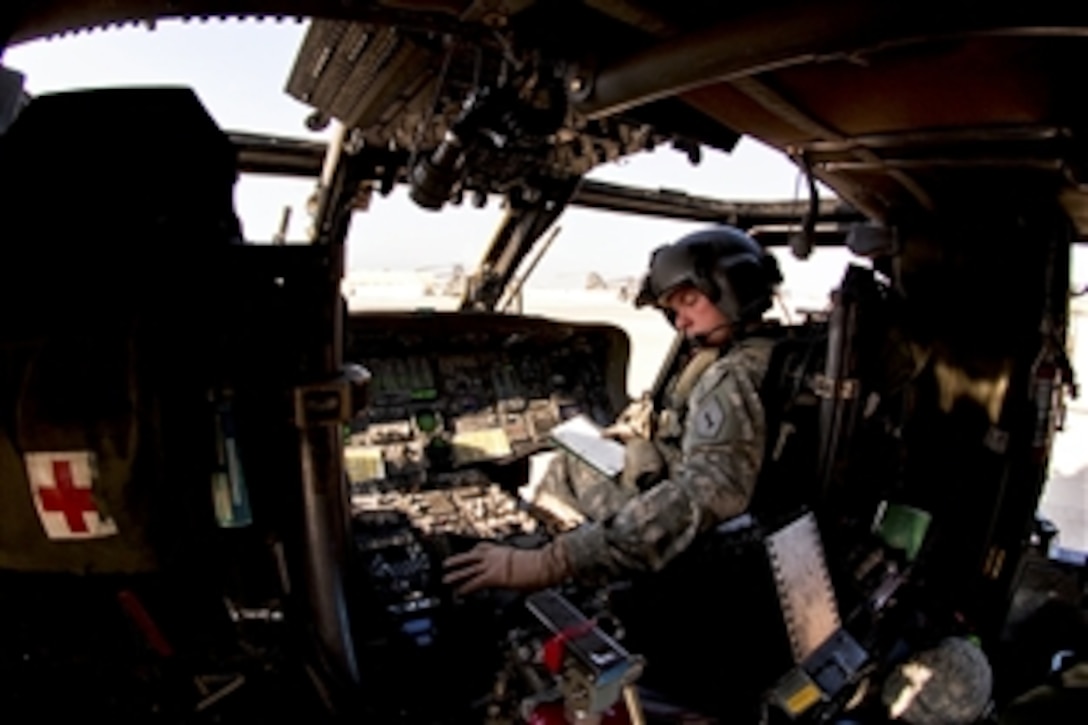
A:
[(239, 70)]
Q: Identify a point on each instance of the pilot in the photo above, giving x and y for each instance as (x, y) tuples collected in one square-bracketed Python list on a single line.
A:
[(714, 286)]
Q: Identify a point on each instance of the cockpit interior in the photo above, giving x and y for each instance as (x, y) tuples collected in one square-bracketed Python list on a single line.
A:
[(226, 495)]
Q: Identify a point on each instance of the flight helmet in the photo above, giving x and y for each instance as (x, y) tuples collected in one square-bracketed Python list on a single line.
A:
[(722, 262)]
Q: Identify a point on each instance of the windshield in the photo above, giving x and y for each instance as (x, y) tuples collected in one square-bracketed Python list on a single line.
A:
[(403, 257)]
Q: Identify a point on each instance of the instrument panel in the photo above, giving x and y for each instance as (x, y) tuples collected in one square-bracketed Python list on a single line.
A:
[(453, 392), (458, 406)]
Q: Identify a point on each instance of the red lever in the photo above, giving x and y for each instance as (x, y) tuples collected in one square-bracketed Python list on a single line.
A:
[(556, 647)]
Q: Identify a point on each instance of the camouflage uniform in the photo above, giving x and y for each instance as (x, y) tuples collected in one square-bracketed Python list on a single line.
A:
[(721, 435), (584, 488)]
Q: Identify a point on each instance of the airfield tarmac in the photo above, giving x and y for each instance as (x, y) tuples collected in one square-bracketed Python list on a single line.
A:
[(1065, 500)]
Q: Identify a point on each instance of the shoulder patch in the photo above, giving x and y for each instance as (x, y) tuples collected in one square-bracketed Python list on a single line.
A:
[(709, 418)]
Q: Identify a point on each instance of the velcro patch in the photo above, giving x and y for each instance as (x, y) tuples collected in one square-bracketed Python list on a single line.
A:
[(61, 485)]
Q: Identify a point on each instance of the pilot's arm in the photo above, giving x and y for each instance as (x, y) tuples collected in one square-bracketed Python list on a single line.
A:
[(721, 453), (722, 450)]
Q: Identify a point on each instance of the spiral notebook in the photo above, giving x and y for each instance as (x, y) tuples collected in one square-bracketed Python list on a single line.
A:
[(801, 577)]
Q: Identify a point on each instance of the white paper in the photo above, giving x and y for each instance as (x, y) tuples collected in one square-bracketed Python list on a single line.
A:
[(584, 438)]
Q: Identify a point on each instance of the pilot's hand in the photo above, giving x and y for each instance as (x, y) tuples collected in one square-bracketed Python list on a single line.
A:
[(621, 432), (494, 566), (636, 421)]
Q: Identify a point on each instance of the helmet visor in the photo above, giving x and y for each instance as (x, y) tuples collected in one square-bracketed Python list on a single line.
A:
[(670, 269)]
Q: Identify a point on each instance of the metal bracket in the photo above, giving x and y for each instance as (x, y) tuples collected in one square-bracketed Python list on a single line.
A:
[(996, 439), (592, 668), (213, 688), (323, 403), (825, 387)]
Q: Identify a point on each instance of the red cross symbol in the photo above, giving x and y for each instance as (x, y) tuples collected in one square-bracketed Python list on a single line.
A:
[(67, 499)]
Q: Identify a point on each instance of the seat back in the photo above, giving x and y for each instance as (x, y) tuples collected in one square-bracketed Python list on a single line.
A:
[(824, 396), (116, 203)]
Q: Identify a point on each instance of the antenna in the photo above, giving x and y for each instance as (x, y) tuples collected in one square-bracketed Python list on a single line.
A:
[(280, 237)]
